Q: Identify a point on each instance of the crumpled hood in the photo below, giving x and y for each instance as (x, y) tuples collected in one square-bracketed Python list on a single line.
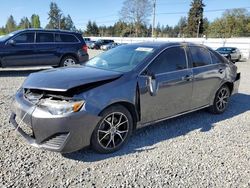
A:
[(63, 79)]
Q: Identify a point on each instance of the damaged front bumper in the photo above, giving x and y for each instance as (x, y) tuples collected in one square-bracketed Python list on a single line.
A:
[(61, 133)]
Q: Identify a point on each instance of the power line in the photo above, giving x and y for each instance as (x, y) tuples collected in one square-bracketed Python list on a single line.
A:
[(214, 10)]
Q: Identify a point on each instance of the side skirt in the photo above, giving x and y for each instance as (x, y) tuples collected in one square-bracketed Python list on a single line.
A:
[(139, 125)]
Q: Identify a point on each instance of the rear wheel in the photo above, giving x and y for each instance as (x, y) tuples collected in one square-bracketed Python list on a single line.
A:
[(221, 100), (113, 130), (68, 61)]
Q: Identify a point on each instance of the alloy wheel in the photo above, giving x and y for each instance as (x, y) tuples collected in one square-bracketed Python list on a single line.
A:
[(69, 62), (222, 99), (113, 130)]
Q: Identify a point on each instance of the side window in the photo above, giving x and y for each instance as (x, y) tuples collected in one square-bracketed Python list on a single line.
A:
[(25, 38), (215, 60), (172, 59), (44, 37), (200, 56), (67, 38)]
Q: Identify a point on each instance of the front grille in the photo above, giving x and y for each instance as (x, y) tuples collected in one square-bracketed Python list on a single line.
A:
[(55, 141)]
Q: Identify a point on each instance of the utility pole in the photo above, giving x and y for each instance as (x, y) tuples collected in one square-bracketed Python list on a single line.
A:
[(153, 25), (198, 28)]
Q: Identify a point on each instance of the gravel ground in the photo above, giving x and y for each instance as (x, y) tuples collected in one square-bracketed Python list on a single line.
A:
[(195, 150)]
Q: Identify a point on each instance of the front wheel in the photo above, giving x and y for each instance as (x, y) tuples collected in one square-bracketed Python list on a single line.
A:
[(113, 130), (221, 100)]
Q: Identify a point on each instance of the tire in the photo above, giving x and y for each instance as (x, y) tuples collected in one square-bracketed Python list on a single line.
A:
[(68, 61), (221, 100), (238, 59), (113, 130)]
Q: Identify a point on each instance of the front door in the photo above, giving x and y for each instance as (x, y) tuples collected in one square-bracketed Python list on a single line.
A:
[(169, 91), (21, 52)]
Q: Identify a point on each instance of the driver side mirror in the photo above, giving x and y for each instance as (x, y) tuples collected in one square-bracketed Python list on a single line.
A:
[(151, 83), (11, 42)]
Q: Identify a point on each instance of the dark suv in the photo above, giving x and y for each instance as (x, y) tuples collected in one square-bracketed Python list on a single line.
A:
[(39, 47), (97, 45)]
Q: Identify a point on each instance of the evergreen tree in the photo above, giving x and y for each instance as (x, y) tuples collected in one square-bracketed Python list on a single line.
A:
[(69, 24), (35, 21), (54, 17), (89, 30), (24, 23), (10, 24), (195, 18), (182, 24)]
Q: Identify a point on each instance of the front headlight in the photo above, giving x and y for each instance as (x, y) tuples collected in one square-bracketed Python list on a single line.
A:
[(57, 107)]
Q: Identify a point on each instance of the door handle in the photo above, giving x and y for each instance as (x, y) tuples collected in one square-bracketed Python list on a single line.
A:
[(187, 77), (221, 71)]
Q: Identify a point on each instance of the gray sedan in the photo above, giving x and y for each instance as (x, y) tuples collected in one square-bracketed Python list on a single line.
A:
[(102, 103)]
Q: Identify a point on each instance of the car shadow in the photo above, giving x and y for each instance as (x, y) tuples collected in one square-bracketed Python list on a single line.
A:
[(19, 72), (146, 138)]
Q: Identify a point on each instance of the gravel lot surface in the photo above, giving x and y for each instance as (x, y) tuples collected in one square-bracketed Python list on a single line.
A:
[(195, 150)]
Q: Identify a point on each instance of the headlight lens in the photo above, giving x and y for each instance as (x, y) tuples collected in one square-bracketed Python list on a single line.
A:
[(57, 107)]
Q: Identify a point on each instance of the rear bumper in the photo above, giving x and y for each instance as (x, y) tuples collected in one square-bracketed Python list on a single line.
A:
[(236, 84), (55, 133), (83, 58)]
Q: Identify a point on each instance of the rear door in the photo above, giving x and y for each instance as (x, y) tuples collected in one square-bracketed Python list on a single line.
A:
[(208, 73), (173, 81), (46, 49), (22, 52)]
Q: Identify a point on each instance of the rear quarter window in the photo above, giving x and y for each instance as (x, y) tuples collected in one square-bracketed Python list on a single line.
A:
[(200, 56), (66, 38)]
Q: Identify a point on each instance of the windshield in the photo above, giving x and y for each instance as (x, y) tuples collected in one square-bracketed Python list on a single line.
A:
[(225, 49), (122, 58), (5, 37)]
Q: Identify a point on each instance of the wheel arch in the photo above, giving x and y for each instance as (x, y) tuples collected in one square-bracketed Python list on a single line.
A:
[(69, 54), (130, 107)]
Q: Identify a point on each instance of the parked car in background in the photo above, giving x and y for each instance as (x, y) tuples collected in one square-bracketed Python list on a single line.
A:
[(97, 45), (86, 39), (130, 86), (39, 47), (108, 46), (89, 43), (231, 53)]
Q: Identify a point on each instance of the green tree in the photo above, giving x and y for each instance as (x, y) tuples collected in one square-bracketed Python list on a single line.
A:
[(136, 12), (54, 18), (233, 23), (10, 24), (35, 21), (182, 25), (2, 31), (24, 23), (88, 30), (195, 18), (69, 24)]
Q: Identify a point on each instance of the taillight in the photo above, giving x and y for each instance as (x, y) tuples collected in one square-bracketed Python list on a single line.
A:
[(85, 48)]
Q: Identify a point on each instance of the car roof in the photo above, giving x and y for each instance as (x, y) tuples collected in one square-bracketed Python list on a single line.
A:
[(49, 30), (164, 44)]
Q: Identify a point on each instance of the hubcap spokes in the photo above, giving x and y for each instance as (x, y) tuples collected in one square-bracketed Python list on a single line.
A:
[(69, 62), (113, 130), (222, 99)]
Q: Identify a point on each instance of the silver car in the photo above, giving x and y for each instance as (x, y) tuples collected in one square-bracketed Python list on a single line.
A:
[(102, 103), (231, 53)]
